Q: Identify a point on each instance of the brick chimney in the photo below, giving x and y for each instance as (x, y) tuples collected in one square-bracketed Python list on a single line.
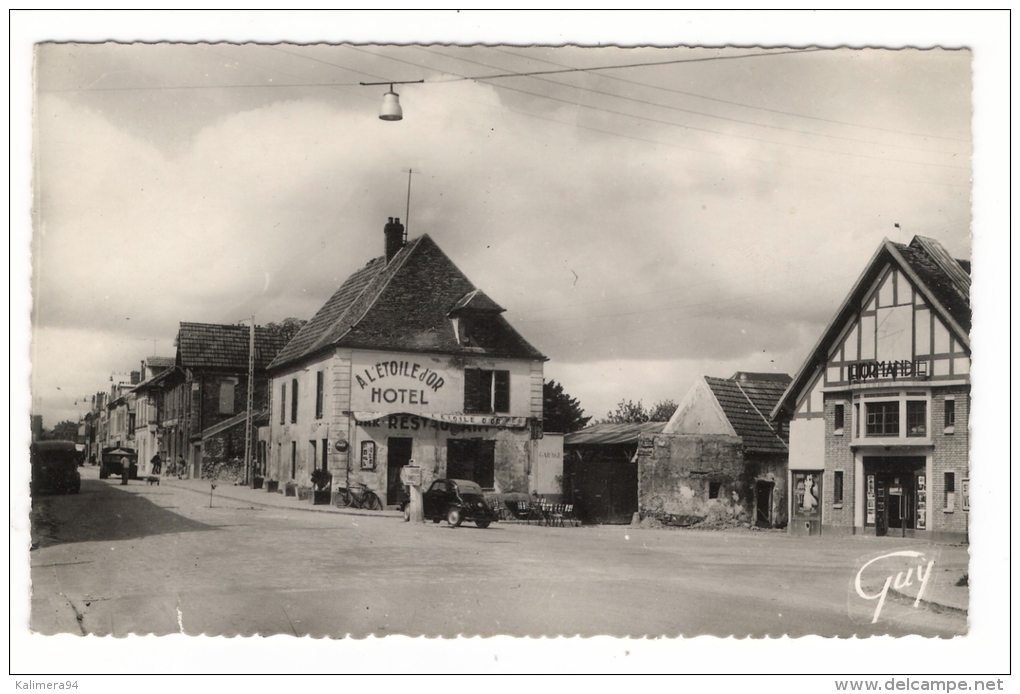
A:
[(394, 232)]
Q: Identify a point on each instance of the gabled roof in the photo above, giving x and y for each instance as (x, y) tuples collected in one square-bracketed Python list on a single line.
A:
[(943, 275), (156, 380), (159, 362), (207, 345), (943, 281), (404, 305), (747, 404), (612, 434)]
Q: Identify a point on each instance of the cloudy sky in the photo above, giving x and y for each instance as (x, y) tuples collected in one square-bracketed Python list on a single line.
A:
[(681, 211)]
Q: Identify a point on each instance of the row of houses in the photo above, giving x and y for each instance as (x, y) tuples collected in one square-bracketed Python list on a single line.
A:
[(408, 362)]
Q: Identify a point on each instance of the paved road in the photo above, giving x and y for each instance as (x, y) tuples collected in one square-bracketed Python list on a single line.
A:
[(157, 559)]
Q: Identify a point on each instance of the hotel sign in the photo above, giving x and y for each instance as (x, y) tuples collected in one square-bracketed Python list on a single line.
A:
[(418, 384), (873, 370)]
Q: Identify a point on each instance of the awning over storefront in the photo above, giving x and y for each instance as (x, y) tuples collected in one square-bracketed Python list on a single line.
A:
[(476, 420)]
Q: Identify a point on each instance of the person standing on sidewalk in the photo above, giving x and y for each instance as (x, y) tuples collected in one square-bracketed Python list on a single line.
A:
[(157, 464), (180, 466)]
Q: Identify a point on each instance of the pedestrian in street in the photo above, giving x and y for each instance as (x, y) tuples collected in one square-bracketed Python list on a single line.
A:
[(157, 464), (180, 466), (125, 470)]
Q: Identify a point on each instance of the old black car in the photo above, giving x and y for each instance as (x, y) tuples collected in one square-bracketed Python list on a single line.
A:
[(55, 468), (456, 501)]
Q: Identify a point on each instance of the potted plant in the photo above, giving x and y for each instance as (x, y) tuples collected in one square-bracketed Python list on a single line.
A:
[(290, 488), (272, 486), (321, 479)]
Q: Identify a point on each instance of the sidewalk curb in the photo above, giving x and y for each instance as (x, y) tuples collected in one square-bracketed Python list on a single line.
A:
[(313, 509), (934, 606)]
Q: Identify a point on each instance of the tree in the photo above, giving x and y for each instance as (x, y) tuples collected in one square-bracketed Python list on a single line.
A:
[(662, 411), (64, 431), (560, 412), (288, 327), (629, 412)]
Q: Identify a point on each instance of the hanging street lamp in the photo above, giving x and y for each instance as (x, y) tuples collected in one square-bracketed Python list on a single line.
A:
[(390, 110)]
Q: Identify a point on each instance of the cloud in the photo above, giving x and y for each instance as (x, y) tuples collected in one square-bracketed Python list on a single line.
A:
[(606, 237)]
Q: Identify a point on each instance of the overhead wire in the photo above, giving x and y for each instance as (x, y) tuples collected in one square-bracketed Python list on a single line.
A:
[(680, 109), (704, 130), (752, 106)]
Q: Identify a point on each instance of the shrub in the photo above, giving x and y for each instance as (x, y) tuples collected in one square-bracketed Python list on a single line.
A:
[(321, 478)]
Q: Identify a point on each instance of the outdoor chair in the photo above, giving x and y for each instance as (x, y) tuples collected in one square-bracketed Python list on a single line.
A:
[(568, 516)]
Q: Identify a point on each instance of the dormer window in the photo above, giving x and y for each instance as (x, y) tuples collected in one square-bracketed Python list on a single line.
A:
[(472, 319)]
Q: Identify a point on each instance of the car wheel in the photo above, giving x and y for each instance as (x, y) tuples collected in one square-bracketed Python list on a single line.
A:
[(454, 516), (482, 524), (103, 473)]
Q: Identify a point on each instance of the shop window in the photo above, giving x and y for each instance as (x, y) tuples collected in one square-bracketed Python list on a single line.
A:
[(837, 419), (950, 416), (293, 401), (713, 489), (883, 418), (949, 490), (319, 388), (293, 460), (837, 488), (917, 418), (857, 421), (283, 403), (486, 391)]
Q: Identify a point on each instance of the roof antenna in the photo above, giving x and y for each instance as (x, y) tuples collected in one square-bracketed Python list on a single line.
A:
[(407, 212)]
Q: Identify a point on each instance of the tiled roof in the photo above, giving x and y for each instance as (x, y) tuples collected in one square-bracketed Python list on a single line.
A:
[(747, 405), (403, 305), (205, 345), (942, 274), (610, 434), (477, 301), (159, 362)]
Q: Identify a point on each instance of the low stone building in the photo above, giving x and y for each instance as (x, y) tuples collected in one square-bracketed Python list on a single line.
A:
[(719, 459), (600, 475)]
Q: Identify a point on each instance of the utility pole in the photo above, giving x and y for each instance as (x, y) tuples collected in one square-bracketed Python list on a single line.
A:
[(248, 477), (407, 212)]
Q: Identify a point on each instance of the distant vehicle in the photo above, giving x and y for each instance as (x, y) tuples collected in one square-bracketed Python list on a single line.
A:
[(455, 501), (55, 468), (115, 460)]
